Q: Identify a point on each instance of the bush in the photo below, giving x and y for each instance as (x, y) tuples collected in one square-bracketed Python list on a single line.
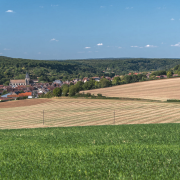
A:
[(99, 95)]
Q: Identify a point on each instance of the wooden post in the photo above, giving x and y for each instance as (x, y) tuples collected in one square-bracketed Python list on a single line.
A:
[(114, 118), (43, 117)]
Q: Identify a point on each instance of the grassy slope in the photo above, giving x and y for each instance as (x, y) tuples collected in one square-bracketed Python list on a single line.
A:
[(100, 152)]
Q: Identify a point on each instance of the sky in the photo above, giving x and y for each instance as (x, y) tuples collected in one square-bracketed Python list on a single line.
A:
[(81, 29)]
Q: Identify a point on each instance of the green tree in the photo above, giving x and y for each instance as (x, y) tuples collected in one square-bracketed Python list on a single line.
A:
[(105, 83), (72, 90), (65, 91), (169, 74), (57, 92), (116, 81)]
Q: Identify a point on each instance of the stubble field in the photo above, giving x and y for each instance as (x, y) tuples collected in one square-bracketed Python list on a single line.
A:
[(85, 112), (162, 89)]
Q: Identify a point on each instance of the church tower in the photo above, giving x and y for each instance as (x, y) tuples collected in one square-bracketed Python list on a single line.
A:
[(27, 79)]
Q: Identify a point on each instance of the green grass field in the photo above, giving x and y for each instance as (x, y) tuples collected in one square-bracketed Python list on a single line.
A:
[(95, 152)]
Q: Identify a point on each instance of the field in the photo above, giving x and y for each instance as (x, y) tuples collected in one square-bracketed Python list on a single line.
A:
[(145, 146), (85, 112), (162, 89), (99, 152)]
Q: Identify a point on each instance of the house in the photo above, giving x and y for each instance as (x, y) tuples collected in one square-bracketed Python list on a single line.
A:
[(163, 76), (13, 96), (96, 79), (108, 78), (147, 75), (57, 82), (5, 95), (85, 79), (4, 99), (175, 75)]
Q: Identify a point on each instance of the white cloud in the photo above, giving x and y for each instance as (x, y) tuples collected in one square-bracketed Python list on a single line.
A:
[(99, 44), (172, 19), (119, 47), (177, 45), (54, 5), (53, 39), (39, 52), (10, 11), (138, 46), (5, 49), (129, 7), (102, 6), (151, 46), (41, 6), (1, 53), (87, 47)]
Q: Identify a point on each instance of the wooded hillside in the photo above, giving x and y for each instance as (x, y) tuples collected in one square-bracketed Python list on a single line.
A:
[(49, 70)]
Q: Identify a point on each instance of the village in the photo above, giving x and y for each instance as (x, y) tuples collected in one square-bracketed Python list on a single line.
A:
[(29, 88)]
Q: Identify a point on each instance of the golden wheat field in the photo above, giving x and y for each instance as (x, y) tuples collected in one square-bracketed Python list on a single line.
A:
[(162, 89), (84, 112)]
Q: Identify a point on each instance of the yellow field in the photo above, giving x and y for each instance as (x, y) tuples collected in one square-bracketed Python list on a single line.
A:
[(84, 112), (162, 89)]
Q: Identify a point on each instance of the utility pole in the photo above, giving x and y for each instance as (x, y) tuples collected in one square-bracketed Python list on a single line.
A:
[(114, 118), (43, 117)]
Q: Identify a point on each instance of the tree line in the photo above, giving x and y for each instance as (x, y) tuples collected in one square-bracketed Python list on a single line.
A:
[(49, 70)]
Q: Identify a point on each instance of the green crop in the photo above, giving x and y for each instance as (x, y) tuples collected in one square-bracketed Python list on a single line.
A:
[(99, 152)]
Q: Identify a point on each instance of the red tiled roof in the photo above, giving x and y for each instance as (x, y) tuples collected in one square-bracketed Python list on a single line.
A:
[(25, 94)]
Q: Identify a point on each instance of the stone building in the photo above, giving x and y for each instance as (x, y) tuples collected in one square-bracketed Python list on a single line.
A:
[(26, 81)]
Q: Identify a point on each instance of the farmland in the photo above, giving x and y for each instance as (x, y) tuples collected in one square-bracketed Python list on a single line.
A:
[(64, 112), (162, 89), (98, 152)]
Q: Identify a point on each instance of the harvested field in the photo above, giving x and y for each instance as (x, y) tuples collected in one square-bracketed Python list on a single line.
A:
[(162, 89), (22, 103), (85, 112)]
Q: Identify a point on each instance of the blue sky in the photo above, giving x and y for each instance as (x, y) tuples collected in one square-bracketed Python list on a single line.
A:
[(58, 29)]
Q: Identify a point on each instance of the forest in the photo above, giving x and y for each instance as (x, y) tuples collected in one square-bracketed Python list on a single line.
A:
[(49, 70)]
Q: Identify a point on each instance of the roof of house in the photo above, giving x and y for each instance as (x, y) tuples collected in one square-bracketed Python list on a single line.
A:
[(25, 94), (17, 81), (3, 98)]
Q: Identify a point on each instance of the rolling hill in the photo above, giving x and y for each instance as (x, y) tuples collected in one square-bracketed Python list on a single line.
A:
[(162, 89)]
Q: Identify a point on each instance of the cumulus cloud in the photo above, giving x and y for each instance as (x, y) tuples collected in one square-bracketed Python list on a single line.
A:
[(5, 49), (10, 11), (102, 6), (172, 19), (53, 39), (134, 46), (150, 46), (1, 53), (119, 47), (177, 45), (87, 47), (54, 5), (39, 52), (99, 44), (41, 6)]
